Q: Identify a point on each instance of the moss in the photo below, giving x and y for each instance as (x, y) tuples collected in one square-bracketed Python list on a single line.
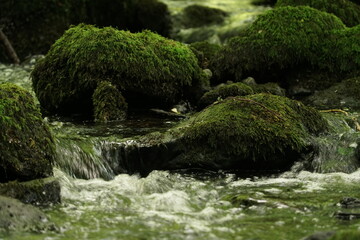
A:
[(205, 52), (109, 104), (224, 91), (271, 87), (254, 132), (280, 39), (145, 67), (347, 11), (198, 16), (41, 192), (26, 144)]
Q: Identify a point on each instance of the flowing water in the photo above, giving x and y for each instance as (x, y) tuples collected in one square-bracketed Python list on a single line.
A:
[(101, 203)]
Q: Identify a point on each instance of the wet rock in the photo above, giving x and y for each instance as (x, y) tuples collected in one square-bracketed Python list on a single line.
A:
[(256, 132), (40, 192), (321, 236), (26, 145), (18, 217), (350, 202), (224, 91), (347, 11), (343, 95), (149, 70)]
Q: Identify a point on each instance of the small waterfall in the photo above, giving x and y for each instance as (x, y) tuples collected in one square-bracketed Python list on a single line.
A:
[(337, 151)]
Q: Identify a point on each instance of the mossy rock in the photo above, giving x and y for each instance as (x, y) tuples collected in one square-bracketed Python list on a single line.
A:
[(343, 95), (270, 87), (26, 144), (39, 192), (16, 216), (205, 52), (279, 41), (347, 11), (33, 26), (109, 104), (254, 132), (197, 16), (224, 91), (147, 68)]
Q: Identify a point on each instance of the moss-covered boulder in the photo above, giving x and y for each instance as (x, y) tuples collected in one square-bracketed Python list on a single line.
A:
[(343, 95), (224, 91), (260, 131), (254, 132), (109, 104), (26, 145), (346, 10), (19, 217), (197, 16), (33, 26), (279, 41), (149, 70)]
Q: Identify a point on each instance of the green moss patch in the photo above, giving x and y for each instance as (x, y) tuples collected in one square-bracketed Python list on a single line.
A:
[(26, 144), (253, 132), (109, 104), (145, 67), (281, 39), (347, 11)]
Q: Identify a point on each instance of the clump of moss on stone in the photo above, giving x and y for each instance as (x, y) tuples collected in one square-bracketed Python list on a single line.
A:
[(260, 131), (205, 52), (109, 104), (280, 39), (224, 91), (198, 16), (26, 145), (148, 69), (270, 87), (347, 11)]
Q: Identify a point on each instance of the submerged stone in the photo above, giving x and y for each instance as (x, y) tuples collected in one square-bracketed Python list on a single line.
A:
[(148, 69), (346, 10), (26, 144), (18, 217)]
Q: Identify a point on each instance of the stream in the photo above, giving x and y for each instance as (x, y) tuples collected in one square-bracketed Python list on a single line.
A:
[(185, 205)]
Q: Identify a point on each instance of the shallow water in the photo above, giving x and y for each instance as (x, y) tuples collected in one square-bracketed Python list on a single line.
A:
[(168, 205)]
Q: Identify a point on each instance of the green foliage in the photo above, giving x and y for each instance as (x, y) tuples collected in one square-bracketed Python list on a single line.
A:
[(26, 145), (142, 63), (260, 127), (224, 91), (347, 11), (109, 104), (198, 15), (281, 38)]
